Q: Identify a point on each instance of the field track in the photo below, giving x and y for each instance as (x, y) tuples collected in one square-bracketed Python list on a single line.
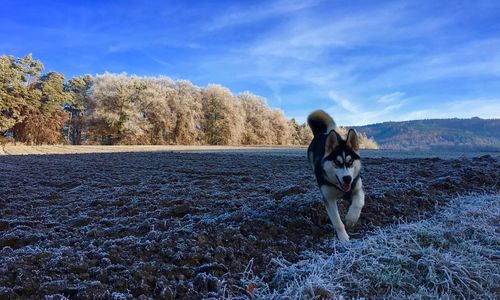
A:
[(11, 149)]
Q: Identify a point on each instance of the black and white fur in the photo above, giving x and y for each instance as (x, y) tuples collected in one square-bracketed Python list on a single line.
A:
[(337, 165)]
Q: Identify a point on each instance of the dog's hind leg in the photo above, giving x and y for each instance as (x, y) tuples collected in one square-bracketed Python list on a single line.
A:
[(333, 213), (358, 201)]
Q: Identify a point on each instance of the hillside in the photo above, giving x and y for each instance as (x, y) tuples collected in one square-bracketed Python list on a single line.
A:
[(442, 134)]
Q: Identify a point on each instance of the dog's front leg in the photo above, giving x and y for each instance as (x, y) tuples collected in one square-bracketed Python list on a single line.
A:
[(358, 201), (333, 213)]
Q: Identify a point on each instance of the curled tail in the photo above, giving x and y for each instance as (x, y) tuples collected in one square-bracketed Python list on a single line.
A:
[(320, 122)]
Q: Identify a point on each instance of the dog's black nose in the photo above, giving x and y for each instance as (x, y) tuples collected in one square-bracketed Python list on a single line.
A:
[(347, 179)]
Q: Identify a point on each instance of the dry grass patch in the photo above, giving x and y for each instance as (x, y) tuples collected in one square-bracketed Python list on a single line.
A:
[(21, 149)]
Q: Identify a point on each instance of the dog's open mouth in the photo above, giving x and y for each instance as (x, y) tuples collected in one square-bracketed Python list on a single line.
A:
[(346, 187)]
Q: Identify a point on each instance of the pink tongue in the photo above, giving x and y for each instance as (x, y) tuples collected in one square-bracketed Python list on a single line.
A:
[(346, 187)]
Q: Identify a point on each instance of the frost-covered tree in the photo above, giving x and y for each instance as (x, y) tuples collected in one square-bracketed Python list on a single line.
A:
[(116, 115), (263, 125), (257, 128), (279, 126), (294, 132), (190, 115), (158, 106), (223, 116), (78, 106), (306, 134)]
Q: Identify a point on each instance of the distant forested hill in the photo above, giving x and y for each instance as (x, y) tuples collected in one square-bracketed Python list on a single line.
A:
[(445, 134)]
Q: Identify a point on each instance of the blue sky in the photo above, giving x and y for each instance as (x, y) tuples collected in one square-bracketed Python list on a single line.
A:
[(362, 61)]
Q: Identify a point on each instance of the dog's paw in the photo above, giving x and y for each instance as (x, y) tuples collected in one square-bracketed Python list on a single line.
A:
[(351, 219), (343, 236), (349, 223)]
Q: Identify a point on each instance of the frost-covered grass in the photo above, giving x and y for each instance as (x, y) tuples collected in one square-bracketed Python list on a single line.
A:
[(453, 255)]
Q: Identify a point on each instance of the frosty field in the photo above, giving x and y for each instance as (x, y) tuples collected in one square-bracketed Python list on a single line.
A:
[(195, 224)]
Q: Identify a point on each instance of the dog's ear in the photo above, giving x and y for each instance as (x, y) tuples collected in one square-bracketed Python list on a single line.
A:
[(332, 141), (352, 140)]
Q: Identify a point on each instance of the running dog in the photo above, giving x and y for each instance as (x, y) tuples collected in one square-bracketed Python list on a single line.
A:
[(337, 165)]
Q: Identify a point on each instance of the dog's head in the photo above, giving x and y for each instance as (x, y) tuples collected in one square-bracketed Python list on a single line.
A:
[(341, 161)]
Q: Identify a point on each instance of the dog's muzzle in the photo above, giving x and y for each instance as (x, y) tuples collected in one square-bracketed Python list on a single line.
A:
[(345, 186)]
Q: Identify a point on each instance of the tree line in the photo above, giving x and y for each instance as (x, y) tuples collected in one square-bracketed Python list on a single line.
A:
[(110, 109)]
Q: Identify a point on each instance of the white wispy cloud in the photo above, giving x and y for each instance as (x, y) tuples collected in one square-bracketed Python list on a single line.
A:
[(390, 98), (479, 57), (343, 102), (351, 112), (305, 37), (238, 15), (323, 53)]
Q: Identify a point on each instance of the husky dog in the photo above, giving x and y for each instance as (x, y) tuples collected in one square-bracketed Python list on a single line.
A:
[(336, 164)]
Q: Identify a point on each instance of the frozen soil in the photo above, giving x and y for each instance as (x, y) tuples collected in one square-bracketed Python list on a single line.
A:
[(189, 225)]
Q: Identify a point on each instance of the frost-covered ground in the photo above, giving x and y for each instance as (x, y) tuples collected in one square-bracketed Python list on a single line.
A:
[(20, 149), (452, 255), (201, 224)]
